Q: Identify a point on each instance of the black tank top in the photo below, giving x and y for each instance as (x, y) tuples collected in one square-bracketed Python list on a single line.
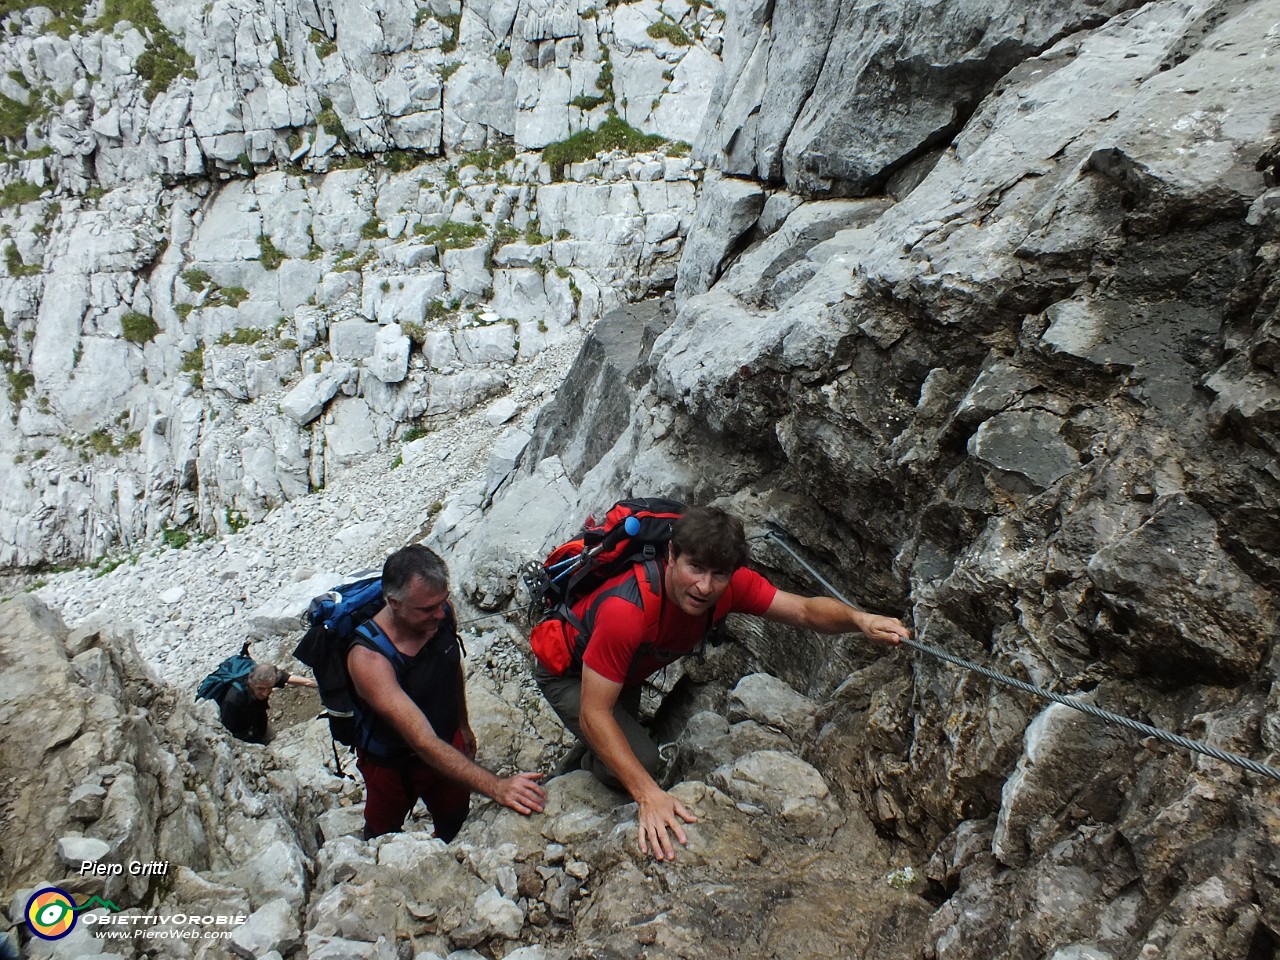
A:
[(430, 679)]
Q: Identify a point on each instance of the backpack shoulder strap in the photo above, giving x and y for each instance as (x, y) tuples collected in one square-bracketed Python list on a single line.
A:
[(379, 642), (650, 577)]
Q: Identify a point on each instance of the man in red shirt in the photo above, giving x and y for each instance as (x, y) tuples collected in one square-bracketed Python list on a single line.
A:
[(702, 579)]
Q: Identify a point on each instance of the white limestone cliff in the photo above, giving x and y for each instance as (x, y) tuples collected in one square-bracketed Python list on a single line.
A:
[(212, 212)]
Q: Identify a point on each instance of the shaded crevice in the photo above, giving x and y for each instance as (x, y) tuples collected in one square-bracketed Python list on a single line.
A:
[(1265, 944)]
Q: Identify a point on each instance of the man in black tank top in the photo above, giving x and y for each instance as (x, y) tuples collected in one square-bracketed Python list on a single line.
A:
[(415, 739)]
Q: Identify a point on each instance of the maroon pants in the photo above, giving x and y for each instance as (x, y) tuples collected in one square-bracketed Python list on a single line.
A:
[(391, 792)]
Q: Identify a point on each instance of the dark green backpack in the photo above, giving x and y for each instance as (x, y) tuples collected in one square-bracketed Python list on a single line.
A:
[(225, 675)]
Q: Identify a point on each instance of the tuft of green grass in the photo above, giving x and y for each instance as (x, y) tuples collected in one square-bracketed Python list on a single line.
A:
[(347, 265), (504, 234), (587, 104), (196, 279), (19, 192), (66, 10), (669, 31), (451, 23), (416, 332), (280, 70), (164, 59), (438, 309), (604, 79), (373, 229), (103, 566), (16, 116), (243, 336), (21, 382), (102, 442), (487, 159), (324, 47), (138, 327), (17, 268), (271, 257), (231, 296), (329, 121), (451, 235), (163, 64), (193, 363), (614, 134), (400, 161)]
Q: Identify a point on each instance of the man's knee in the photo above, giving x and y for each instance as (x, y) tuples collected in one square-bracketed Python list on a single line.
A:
[(563, 695), (646, 752)]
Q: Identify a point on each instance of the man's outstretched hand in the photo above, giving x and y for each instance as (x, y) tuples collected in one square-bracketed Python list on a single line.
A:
[(658, 814), (521, 793), (885, 629)]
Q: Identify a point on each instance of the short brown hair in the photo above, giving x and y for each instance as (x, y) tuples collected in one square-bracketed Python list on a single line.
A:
[(711, 537)]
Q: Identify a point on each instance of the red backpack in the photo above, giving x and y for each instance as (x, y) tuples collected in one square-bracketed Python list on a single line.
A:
[(566, 587)]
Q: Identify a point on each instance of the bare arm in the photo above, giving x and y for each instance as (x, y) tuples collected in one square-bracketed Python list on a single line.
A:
[(375, 682), (464, 721), (296, 681), (658, 810), (826, 615)]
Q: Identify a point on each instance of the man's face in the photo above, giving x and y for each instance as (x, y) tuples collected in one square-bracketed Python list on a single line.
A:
[(260, 691), (419, 609), (692, 587)]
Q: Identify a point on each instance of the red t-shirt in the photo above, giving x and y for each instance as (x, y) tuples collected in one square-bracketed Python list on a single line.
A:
[(619, 650)]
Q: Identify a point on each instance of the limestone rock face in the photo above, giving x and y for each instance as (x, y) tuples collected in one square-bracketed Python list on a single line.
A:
[(212, 207), (191, 395), (817, 94), (595, 403), (118, 769)]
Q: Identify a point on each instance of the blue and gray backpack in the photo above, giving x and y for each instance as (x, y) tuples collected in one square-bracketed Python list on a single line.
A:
[(331, 620)]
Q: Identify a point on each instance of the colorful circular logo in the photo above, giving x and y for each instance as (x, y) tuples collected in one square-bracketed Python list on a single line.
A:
[(51, 913)]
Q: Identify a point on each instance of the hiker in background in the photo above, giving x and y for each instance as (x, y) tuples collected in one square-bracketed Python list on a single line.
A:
[(243, 707), (411, 707), (701, 580)]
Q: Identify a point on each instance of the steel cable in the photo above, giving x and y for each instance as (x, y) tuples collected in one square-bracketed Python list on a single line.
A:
[(1076, 704)]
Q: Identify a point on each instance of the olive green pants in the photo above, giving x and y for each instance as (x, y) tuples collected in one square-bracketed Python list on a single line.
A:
[(565, 696)]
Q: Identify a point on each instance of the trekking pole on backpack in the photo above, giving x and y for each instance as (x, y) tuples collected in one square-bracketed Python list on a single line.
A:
[(543, 581), (337, 763), (629, 527)]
